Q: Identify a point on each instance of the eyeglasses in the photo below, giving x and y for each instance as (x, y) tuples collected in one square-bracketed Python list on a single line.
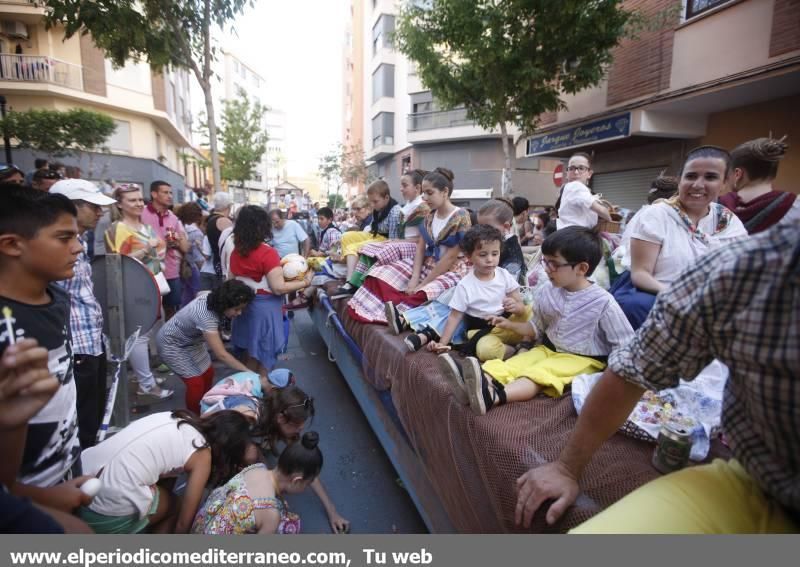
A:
[(553, 266), (578, 168)]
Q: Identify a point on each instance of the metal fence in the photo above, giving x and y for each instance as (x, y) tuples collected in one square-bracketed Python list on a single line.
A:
[(40, 69), (438, 119)]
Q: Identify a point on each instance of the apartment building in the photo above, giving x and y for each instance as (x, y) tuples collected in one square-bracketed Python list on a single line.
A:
[(40, 69), (353, 88), (727, 72), (232, 73), (404, 128)]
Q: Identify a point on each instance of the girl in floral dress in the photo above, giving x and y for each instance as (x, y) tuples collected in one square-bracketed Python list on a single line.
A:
[(252, 503)]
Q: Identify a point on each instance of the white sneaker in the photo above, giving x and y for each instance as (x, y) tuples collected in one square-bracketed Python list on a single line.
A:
[(157, 392)]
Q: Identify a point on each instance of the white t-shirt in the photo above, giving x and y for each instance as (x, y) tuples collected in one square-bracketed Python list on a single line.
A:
[(438, 224), (660, 225), (226, 246), (483, 298), (134, 459), (575, 208)]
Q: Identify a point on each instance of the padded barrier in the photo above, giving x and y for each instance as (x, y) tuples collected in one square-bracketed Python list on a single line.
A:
[(473, 462)]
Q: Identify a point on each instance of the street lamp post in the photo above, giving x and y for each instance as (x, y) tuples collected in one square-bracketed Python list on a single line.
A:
[(6, 139)]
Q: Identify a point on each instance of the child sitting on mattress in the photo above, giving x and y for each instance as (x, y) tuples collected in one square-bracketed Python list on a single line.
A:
[(578, 323), (481, 294), (429, 320)]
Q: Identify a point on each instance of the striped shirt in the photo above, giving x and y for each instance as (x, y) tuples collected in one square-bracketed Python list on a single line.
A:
[(181, 343), (588, 322), (741, 305), (85, 315)]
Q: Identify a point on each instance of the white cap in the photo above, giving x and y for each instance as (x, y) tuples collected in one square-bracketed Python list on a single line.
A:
[(222, 200), (81, 190)]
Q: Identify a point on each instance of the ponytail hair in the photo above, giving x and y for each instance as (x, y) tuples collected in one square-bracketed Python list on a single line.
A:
[(759, 157), (499, 209), (293, 403), (416, 176), (227, 435), (302, 457), (442, 179), (713, 152)]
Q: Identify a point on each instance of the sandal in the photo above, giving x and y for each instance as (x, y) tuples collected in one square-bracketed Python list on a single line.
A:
[(483, 396), (452, 373), (393, 318), (414, 342)]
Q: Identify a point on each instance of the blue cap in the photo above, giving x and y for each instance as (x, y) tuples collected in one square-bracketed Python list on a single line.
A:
[(281, 377)]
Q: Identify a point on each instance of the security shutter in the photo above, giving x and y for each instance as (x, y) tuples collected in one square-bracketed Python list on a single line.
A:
[(626, 189)]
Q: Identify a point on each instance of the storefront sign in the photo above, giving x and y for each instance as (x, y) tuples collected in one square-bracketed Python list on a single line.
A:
[(611, 128)]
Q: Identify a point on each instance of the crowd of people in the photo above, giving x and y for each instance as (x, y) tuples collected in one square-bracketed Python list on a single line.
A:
[(698, 274)]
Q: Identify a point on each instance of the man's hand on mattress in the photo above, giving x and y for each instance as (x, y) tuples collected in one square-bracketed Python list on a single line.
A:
[(553, 482)]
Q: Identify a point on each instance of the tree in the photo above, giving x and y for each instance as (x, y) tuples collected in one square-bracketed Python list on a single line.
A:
[(507, 62), (336, 202), (163, 32), (343, 165), (59, 133), (243, 137)]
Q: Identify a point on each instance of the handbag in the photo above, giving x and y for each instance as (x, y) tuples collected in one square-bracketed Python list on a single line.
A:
[(186, 269), (163, 285)]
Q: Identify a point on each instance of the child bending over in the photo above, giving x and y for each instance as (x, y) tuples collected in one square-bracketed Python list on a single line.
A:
[(138, 464), (251, 502), (577, 322)]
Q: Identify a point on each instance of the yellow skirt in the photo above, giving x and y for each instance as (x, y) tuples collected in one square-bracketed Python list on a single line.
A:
[(551, 370), (352, 241)]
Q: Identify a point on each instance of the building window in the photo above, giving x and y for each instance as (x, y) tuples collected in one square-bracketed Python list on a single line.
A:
[(696, 7), (405, 164), (382, 33), (120, 140), (383, 82), (383, 129)]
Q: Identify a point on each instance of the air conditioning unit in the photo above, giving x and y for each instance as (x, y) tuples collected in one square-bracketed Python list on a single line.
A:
[(15, 29)]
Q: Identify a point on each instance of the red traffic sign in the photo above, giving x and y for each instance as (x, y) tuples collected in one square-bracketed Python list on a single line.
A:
[(558, 175)]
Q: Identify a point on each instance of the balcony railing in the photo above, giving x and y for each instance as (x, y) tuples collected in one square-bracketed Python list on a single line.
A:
[(40, 69), (438, 119)]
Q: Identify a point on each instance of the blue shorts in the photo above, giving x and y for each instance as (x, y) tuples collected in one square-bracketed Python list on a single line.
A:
[(173, 298)]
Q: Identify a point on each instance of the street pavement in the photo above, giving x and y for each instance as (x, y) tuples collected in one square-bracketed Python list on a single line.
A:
[(356, 472)]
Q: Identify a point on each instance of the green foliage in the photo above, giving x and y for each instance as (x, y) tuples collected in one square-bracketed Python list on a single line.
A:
[(509, 61), (162, 32), (336, 201), (58, 133), (243, 137), (343, 165)]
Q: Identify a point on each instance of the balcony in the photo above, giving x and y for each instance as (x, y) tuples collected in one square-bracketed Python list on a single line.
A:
[(444, 125), (40, 69), (438, 119)]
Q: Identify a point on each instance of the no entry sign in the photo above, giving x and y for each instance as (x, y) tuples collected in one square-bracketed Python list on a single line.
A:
[(558, 175)]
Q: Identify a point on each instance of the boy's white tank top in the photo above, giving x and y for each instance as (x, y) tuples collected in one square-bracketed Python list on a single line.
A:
[(133, 460)]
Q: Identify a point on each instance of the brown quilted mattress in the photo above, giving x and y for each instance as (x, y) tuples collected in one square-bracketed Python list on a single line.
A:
[(473, 462)]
